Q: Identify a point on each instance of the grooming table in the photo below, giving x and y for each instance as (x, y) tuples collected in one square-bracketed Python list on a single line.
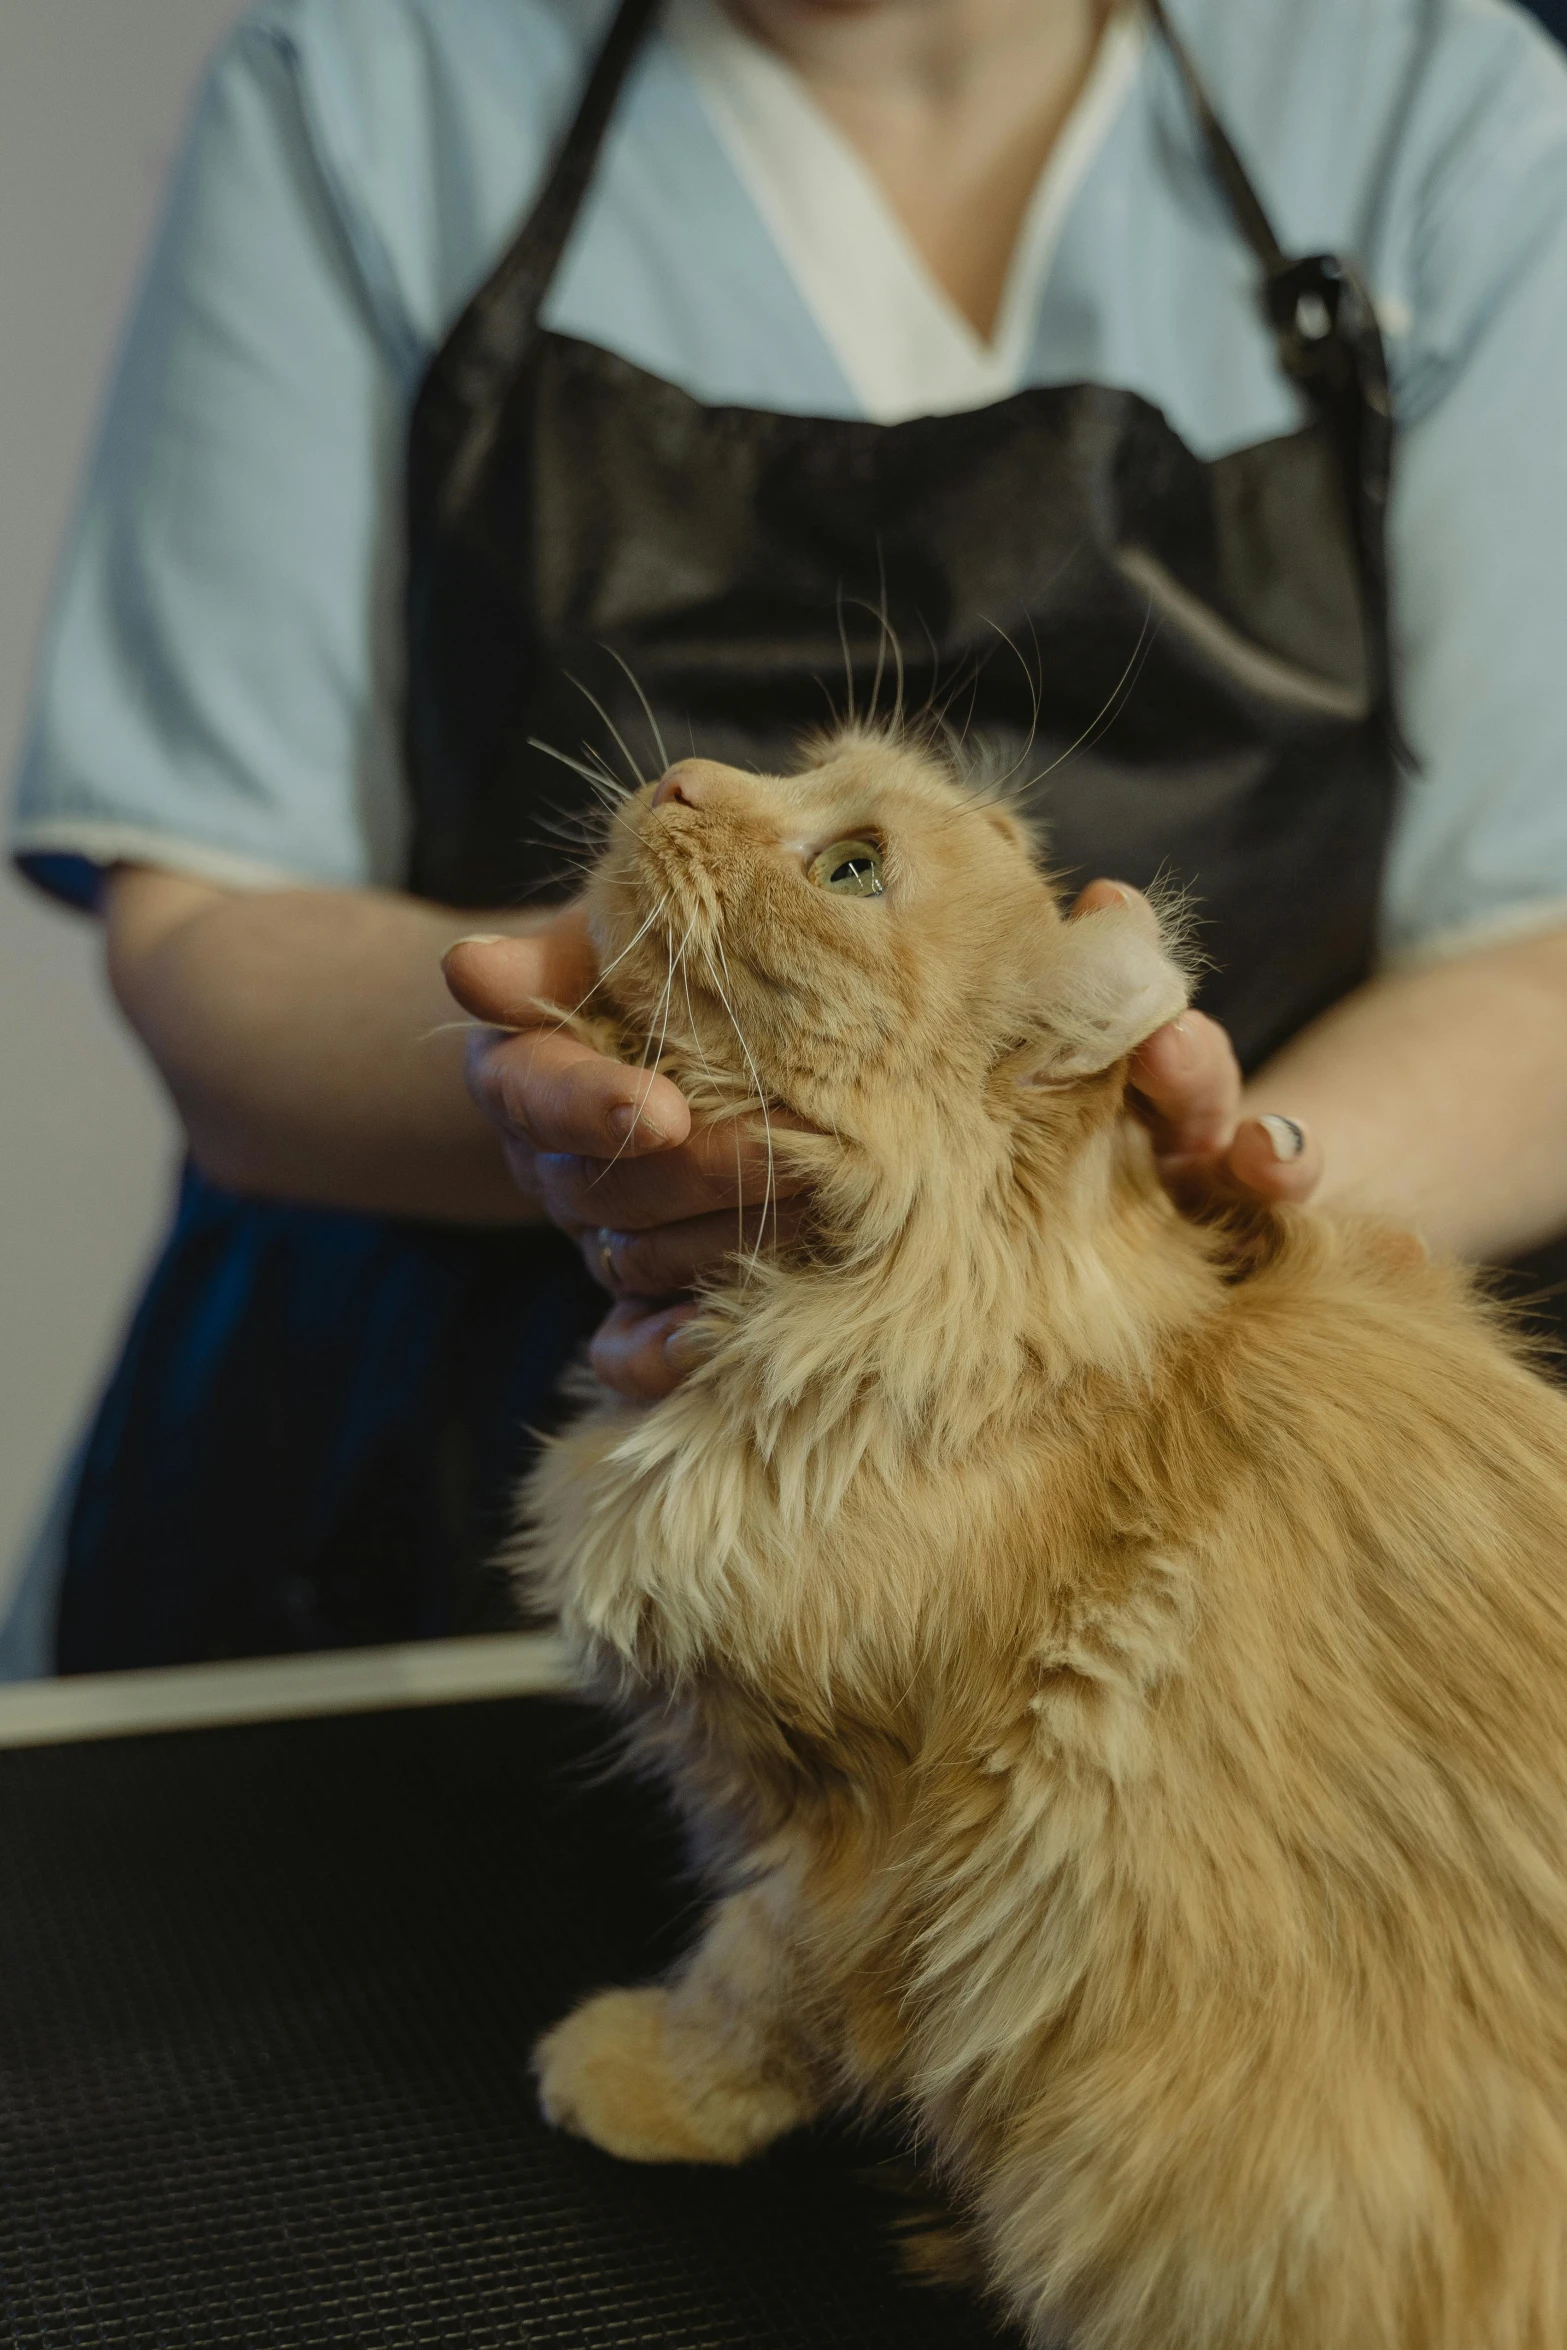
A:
[(267, 1988)]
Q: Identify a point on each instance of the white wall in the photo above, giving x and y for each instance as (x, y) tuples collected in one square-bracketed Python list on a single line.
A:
[(91, 96)]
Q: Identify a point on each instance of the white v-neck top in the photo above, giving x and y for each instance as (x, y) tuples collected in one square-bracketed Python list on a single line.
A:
[(219, 689), (903, 344)]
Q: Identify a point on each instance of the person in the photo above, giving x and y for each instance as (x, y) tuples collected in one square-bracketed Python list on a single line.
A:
[(1041, 351)]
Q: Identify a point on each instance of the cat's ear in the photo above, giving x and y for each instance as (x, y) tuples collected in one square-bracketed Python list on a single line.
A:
[(1013, 831), (1106, 983)]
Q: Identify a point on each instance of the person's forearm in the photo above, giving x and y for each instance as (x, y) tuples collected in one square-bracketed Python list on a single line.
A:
[(308, 1041), (1439, 1095)]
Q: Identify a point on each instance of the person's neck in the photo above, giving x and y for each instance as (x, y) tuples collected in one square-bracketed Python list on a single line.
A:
[(954, 105)]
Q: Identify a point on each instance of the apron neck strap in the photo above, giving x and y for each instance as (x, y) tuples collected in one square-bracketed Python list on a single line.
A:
[(554, 215), (1245, 203), (463, 400), (1320, 312), (1325, 329)]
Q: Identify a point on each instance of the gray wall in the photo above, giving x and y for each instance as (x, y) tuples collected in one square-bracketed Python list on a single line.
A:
[(91, 97)]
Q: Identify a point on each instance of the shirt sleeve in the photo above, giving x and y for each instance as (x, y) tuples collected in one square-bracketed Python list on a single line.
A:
[(1479, 519), (218, 688)]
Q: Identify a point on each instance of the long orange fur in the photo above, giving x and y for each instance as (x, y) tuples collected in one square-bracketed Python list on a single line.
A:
[(1116, 1672)]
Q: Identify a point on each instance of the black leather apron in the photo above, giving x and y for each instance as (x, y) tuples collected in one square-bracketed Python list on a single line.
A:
[(313, 1434)]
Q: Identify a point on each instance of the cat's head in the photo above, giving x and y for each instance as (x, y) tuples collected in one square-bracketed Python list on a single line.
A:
[(848, 938)]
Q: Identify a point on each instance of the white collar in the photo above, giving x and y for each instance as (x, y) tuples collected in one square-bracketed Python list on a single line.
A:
[(905, 347)]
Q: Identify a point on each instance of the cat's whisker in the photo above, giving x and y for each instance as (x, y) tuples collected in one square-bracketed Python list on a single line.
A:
[(572, 856), (848, 663), (718, 1079), (739, 1153), (469, 1027), (1120, 694), (667, 1004), (594, 775), (573, 827), (589, 696), (890, 640), (996, 794), (636, 686), (833, 721), (935, 671), (691, 1020), (652, 1054), (769, 1197), (608, 789), (938, 711), (1031, 680), (553, 1028), (647, 1059), (653, 1044), (887, 639), (880, 614), (1032, 676), (577, 869), (610, 793), (632, 943), (1109, 710), (649, 1067), (967, 679)]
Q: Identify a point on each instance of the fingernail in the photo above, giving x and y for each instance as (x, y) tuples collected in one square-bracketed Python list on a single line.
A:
[(1288, 1139), (628, 1117), (476, 938)]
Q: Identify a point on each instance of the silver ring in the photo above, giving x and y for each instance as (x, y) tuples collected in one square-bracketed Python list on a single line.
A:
[(605, 1241)]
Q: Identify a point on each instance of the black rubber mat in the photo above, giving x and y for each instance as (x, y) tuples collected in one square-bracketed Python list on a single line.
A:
[(265, 2001)]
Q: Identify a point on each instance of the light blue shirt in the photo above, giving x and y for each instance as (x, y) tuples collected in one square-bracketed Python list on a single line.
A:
[(219, 688)]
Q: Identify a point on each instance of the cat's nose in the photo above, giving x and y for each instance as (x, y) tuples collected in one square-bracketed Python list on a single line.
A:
[(685, 782)]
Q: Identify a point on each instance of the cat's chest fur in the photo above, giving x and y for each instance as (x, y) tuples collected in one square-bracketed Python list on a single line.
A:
[(686, 1542), (850, 1580)]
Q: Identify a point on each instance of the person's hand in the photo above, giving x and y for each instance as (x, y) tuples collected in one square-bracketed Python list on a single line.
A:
[(609, 1153), (1186, 1088)]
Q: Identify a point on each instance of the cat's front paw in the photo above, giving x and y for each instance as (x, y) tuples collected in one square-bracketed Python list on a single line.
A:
[(624, 2073)]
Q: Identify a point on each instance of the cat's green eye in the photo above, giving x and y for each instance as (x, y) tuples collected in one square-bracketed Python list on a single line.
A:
[(850, 867)]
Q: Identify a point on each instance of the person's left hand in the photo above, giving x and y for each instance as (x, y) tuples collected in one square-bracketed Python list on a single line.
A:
[(1186, 1089)]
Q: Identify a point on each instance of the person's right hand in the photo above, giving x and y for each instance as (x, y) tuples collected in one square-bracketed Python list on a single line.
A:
[(609, 1153)]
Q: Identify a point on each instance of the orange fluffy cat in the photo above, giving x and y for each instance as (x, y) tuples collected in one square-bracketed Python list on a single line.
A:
[(1116, 1672)]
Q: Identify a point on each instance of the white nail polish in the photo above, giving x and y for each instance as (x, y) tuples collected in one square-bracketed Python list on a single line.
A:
[(1288, 1139)]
